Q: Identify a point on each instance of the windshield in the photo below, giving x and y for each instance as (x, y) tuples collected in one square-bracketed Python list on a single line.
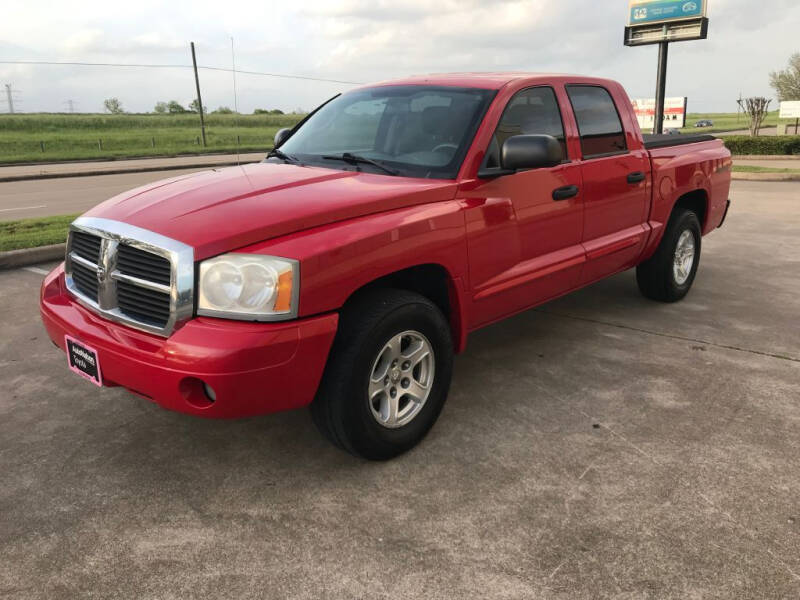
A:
[(417, 131)]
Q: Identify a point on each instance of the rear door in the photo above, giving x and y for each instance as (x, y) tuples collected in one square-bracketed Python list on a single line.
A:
[(615, 184)]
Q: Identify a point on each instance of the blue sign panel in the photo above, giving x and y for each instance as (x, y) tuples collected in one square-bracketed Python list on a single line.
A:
[(665, 10)]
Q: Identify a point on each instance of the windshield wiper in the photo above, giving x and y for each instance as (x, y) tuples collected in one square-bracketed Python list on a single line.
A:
[(354, 159), (275, 153)]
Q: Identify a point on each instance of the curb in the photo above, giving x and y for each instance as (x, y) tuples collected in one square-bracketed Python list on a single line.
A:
[(765, 176), (30, 256), (122, 171)]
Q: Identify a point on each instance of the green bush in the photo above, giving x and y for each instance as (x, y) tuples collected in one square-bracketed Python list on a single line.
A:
[(743, 144)]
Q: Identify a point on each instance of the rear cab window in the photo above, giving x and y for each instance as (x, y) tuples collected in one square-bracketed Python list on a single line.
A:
[(599, 123), (530, 111)]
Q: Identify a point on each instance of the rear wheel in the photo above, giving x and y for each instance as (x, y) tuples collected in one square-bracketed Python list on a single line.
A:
[(668, 275), (387, 376)]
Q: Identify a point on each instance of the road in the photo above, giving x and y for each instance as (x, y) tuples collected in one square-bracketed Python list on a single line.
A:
[(46, 197), (134, 164), (601, 446)]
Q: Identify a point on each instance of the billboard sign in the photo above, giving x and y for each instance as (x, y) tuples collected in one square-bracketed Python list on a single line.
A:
[(645, 12), (790, 110), (674, 113)]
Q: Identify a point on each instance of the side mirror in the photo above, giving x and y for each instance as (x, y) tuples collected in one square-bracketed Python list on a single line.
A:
[(281, 136), (530, 152)]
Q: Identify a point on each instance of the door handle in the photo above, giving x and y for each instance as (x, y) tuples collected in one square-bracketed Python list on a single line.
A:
[(636, 177), (562, 193)]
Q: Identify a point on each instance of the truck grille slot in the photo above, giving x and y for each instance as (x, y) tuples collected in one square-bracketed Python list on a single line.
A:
[(85, 280), (142, 304), (86, 246), (144, 265), (130, 275)]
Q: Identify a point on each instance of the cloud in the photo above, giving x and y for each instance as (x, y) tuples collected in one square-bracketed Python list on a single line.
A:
[(368, 40)]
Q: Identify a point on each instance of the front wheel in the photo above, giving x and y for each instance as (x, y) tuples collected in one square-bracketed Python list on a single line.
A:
[(668, 275), (387, 376)]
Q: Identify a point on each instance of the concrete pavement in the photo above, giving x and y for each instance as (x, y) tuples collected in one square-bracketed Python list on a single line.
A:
[(601, 446)]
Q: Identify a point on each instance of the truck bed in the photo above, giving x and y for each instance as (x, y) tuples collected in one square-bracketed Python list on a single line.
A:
[(664, 140)]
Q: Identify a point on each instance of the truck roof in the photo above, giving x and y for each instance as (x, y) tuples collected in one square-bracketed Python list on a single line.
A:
[(489, 80)]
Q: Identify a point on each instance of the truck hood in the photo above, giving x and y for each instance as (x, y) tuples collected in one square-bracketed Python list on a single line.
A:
[(224, 209)]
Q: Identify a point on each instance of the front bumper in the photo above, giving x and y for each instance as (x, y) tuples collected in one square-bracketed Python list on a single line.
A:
[(253, 368)]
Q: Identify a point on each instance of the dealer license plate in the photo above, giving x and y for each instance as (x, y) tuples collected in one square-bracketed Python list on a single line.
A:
[(83, 360)]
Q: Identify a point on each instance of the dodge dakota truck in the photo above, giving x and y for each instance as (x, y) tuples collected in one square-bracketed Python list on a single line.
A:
[(348, 268)]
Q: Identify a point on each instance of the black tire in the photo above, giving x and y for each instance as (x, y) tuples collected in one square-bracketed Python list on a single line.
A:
[(341, 408), (655, 276)]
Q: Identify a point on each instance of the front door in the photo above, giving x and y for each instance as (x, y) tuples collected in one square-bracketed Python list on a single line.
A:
[(524, 230)]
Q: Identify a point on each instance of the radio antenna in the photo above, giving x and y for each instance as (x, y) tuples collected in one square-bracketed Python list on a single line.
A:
[(235, 101)]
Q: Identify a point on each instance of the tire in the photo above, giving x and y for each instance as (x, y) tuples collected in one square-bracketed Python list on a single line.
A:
[(658, 277), (352, 408)]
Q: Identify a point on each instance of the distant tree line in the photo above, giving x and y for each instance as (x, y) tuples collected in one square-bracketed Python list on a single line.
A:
[(173, 107)]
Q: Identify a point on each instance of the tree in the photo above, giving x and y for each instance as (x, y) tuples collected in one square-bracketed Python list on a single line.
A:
[(756, 110), (194, 106), (160, 108), (113, 105), (224, 110), (174, 107), (787, 82)]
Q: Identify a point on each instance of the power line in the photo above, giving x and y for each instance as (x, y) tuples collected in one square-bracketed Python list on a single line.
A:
[(171, 66)]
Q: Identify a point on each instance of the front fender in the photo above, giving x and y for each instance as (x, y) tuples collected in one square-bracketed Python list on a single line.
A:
[(340, 258)]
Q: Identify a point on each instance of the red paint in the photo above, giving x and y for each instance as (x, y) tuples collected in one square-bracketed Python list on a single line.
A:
[(504, 245)]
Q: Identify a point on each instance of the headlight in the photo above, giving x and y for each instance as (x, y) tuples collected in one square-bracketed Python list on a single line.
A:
[(250, 287)]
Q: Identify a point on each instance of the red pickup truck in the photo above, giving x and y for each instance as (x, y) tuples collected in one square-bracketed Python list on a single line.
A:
[(347, 269)]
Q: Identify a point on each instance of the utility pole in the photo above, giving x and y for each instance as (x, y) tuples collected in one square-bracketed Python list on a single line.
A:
[(70, 105), (199, 101), (10, 99)]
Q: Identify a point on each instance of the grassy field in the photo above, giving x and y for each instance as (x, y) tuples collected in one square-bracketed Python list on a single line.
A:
[(31, 233), (752, 169), (726, 122), (54, 137)]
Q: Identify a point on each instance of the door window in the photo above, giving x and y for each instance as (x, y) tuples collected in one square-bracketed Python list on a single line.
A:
[(531, 111), (599, 124)]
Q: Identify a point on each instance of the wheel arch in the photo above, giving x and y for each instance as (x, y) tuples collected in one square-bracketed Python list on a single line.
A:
[(695, 201), (434, 282)]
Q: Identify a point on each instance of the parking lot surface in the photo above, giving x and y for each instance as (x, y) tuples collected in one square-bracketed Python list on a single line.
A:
[(601, 446)]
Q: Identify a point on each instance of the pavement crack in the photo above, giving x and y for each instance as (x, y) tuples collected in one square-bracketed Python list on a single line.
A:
[(763, 545), (670, 336)]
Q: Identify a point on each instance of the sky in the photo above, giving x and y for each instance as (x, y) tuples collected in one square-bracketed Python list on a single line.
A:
[(363, 41)]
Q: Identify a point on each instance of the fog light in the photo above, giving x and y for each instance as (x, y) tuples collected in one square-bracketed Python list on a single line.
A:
[(212, 395)]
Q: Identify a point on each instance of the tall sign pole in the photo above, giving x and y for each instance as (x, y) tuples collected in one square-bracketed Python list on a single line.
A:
[(662, 22), (199, 100), (661, 88)]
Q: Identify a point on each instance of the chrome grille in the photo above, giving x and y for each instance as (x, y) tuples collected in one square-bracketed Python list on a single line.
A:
[(86, 246), (145, 265), (85, 279), (130, 275)]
